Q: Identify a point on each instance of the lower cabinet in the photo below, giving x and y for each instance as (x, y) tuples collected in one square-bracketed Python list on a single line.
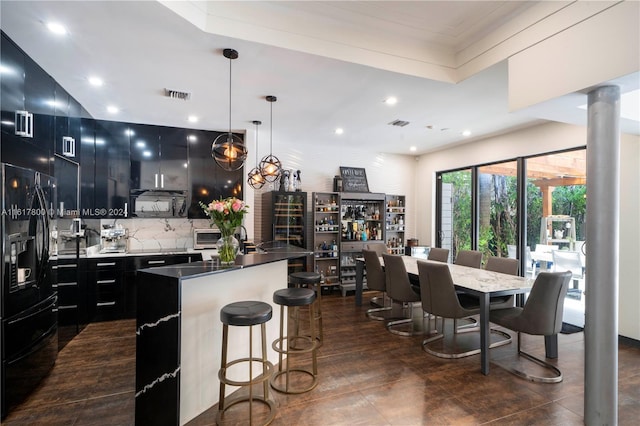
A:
[(70, 283), (102, 289), (135, 263), (106, 296)]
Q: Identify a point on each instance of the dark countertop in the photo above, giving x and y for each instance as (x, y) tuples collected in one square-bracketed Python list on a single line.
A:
[(186, 270)]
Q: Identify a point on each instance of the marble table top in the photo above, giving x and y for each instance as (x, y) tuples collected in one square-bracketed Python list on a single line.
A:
[(476, 280)]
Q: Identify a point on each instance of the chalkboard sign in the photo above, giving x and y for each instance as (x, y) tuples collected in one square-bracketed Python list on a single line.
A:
[(354, 179)]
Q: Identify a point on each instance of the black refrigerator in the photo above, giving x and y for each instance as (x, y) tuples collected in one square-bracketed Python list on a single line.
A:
[(28, 311)]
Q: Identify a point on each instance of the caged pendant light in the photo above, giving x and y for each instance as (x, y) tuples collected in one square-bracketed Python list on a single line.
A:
[(228, 150), (256, 180), (270, 166)]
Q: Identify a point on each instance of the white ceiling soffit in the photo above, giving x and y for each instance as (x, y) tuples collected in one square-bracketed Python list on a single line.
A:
[(429, 39)]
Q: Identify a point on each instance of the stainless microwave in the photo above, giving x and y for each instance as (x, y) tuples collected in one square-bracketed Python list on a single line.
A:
[(205, 238)]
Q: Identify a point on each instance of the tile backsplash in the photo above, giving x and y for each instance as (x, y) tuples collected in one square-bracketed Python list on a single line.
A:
[(145, 234)]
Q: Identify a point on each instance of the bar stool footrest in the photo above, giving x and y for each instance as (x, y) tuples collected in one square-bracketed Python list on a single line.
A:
[(284, 389), (265, 376), (268, 402)]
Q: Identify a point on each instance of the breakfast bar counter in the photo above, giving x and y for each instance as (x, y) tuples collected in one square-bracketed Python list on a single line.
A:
[(179, 333)]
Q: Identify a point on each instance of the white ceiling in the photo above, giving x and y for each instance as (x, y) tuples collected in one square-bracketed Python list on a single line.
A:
[(331, 64)]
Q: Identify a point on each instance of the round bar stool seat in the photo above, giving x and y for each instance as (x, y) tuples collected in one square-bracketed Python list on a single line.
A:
[(297, 279), (294, 298), (246, 314)]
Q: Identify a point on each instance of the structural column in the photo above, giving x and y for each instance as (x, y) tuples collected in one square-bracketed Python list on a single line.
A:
[(601, 322)]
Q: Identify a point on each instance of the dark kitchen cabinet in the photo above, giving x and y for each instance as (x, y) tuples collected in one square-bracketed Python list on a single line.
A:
[(135, 263), (111, 174), (27, 99), (207, 180), (66, 165), (70, 283), (158, 157), (87, 166), (106, 282)]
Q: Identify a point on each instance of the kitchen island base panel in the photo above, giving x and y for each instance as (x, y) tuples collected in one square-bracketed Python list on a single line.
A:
[(179, 333)]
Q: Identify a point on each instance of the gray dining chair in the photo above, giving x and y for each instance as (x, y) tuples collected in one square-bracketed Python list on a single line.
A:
[(471, 258), (540, 316), (377, 281), (438, 254), (400, 291), (439, 298), (503, 265)]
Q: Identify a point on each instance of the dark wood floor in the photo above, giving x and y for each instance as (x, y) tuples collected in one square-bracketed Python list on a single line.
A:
[(367, 377)]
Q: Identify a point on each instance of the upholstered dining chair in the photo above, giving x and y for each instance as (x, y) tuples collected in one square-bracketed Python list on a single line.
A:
[(377, 281), (439, 298), (540, 316), (471, 258), (400, 291), (504, 265), (438, 254)]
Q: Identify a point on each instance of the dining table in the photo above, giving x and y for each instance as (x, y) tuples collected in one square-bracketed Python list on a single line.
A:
[(478, 282)]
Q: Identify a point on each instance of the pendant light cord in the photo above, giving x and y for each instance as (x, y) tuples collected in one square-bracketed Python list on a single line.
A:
[(271, 132), (231, 136)]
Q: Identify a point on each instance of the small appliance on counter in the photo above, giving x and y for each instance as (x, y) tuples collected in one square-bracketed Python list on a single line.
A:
[(114, 240), (421, 252)]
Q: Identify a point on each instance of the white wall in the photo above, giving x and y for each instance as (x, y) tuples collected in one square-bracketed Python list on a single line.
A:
[(629, 319), (536, 140), (386, 173)]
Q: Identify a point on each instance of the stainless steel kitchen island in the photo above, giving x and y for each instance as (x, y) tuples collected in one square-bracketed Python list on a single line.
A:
[(179, 333)]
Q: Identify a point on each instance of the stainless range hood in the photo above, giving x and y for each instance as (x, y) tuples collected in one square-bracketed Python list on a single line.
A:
[(158, 203)]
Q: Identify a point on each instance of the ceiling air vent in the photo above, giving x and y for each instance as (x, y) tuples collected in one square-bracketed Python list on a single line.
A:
[(177, 94), (399, 123)]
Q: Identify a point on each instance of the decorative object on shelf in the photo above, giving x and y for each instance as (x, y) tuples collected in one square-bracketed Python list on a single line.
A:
[(227, 215), (229, 150), (354, 179), (298, 183), (284, 180), (256, 180), (270, 166)]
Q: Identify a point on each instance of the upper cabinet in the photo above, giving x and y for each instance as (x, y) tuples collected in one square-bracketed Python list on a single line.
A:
[(111, 189), (158, 157), (27, 99), (207, 180)]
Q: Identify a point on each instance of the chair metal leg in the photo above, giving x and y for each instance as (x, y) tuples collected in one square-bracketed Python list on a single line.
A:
[(371, 313), (557, 378), (415, 330), (456, 354)]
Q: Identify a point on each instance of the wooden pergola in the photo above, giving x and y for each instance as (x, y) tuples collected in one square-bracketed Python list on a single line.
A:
[(548, 172)]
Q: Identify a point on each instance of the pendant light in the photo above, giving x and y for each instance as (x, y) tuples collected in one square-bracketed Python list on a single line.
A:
[(270, 166), (228, 150), (256, 180)]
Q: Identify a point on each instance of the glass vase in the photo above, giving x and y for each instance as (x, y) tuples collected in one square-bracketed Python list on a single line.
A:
[(228, 247)]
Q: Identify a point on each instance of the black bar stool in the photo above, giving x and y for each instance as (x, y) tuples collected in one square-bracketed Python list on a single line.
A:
[(246, 313), (289, 345), (298, 279)]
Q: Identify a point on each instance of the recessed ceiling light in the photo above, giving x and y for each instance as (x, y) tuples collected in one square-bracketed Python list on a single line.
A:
[(186, 165), (95, 81), (192, 138), (339, 131), (466, 133), (141, 144), (391, 100), (56, 28), (192, 119), (129, 132), (413, 149), (147, 153), (112, 109)]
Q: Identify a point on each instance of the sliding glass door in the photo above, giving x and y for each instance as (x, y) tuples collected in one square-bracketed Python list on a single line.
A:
[(454, 221), (497, 210)]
